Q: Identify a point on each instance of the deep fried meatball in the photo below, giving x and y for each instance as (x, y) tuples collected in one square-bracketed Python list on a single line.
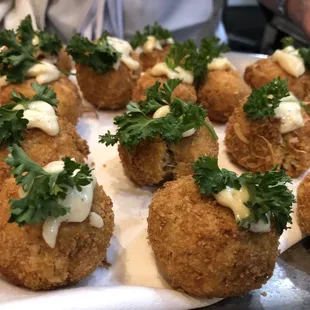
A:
[(259, 146), (70, 102), (26, 260), (149, 60), (303, 204), (185, 92), (264, 71), (110, 90), (200, 248), (43, 148), (154, 161), (221, 93)]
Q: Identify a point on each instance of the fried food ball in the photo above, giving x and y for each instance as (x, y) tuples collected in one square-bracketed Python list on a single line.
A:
[(221, 93), (64, 61), (154, 161), (258, 145), (43, 148), (70, 102), (149, 60), (26, 260), (110, 90), (185, 92), (199, 247), (303, 204), (264, 71)]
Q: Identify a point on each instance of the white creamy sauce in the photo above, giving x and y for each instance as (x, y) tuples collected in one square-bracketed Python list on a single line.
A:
[(95, 220), (234, 199), (163, 111), (35, 40), (152, 43), (3, 81), (80, 205), (40, 115), (290, 61), (125, 49), (289, 112), (220, 63), (44, 72), (161, 69)]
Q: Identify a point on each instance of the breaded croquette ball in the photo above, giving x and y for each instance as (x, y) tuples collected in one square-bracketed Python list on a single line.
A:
[(199, 247), (70, 102), (303, 204), (149, 60), (154, 161), (110, 90), (265, 70), (258, 145), (64, 61), (43, 148), (185, 92), (27, 260), (221, 92)]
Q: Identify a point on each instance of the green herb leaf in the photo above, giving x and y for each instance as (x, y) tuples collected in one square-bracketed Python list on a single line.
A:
[(269, 195), (262, 101), (287, 41), (49, 43), (44, 191), (304, 52), (100, 56), (25, 31), (155, 30)]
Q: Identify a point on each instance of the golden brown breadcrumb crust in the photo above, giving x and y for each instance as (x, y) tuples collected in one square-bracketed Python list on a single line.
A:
[(259, 146), (43, 148), (154, 161), (26, 260), (200, 248), (303, 204), (185, 92), (110, 90), (70, 102), (221, 92), (64, 61), (149, 60), (264, 71)]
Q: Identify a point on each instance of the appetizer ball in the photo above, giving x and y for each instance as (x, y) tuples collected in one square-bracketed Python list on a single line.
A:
[(154, 161), (199, 247), (26, 259), (110, 90), (70, 102), (185, 92), (258, 145), (43, 148), (64, 61), (150, 59), (221, 93), (303, 204)]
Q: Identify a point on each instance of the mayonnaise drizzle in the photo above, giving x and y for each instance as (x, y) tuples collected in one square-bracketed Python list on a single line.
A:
[(290, 61), (235, 199), (220, 63), (289, 112), (80, 204), (40, 115), (44, 72), (3, 81), (125, 49), (152, 43), (161, 69)]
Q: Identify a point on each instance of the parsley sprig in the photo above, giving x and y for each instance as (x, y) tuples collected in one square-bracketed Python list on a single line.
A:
[(188, 56), (101, 56), (137, 125), (12, 123), (263, 101), (155, 30), (44, 191), (269, 195)]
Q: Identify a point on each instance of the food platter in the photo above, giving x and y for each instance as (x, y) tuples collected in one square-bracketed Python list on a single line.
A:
[(133, 280)]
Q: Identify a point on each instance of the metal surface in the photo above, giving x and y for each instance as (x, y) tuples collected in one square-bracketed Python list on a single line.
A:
[(288, 289)]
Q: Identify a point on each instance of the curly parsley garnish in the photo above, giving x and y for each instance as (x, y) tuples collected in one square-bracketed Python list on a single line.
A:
[(269, 195), (263, 101), (189, 57), (12, 123), (136, 125), (44, 191), (101, 56), (155, 30)]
